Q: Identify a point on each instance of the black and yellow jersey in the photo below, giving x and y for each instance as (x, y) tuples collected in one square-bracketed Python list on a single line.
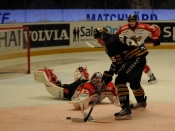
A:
[(120, 51)]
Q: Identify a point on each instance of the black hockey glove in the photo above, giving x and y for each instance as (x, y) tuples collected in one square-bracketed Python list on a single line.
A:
[(156, 43), (107, 77)]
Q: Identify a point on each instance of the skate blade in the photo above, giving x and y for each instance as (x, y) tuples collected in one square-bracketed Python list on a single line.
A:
[(138, 107), (126, 117), (152, 82)]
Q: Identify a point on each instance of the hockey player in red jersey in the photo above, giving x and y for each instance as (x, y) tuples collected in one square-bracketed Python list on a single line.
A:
[(86, 93), (141, 31), (82, 91)]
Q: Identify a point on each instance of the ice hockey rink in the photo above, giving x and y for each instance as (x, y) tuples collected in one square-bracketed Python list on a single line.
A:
[(27, 106)]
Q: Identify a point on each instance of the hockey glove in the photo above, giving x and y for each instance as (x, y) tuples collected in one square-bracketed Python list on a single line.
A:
[(156, 43), (107, 77)]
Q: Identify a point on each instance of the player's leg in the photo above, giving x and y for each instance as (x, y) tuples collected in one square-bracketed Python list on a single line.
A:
[(150, 74), (135, 85), (127, 72), (70, 88), (138, 92), (81, 76), (123, 94), (48, 78), (132, 71)]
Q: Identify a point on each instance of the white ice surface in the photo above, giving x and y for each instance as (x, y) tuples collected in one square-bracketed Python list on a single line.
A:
[(24, 91)]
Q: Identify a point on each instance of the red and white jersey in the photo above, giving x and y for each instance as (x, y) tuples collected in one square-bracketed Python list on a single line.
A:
[(87, 93), (141, 32), (109, 89)]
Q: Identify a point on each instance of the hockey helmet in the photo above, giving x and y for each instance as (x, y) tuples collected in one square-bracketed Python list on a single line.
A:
[(100, 32), (132, 17), (96, 80)]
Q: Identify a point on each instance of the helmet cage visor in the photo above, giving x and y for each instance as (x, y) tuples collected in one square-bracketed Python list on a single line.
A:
[(96, 80)]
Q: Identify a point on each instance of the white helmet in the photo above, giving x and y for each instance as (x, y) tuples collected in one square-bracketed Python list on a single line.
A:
[(96, 80)]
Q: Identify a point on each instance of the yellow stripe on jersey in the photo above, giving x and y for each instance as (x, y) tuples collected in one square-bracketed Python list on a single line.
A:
[(134, 53)]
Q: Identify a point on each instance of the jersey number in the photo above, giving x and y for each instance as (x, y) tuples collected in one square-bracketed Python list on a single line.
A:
[(142, 47)]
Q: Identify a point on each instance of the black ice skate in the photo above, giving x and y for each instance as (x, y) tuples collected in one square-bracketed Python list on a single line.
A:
[(152, 79), (140, 104), (124, 114)]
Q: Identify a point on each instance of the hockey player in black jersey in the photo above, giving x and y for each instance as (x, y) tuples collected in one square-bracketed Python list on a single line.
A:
[(128, 58)]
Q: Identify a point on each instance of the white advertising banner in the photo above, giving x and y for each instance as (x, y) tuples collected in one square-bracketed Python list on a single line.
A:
[(80, 32), (71, 34)]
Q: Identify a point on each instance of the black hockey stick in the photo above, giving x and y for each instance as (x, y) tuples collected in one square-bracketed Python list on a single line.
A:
[(85, 114), (88, 115)]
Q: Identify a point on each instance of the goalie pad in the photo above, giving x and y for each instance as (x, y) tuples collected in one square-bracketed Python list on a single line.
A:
[(80, 99), (81, 73), (47, 77)]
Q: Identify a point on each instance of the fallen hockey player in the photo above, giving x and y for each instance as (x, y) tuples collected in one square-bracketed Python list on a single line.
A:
[(87, 92), (82, 91)]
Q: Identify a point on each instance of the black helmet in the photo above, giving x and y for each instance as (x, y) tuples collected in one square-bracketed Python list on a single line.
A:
[(132, 17), (100, 32)]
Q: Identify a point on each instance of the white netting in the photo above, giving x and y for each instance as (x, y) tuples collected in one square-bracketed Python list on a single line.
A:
[(14, 49)]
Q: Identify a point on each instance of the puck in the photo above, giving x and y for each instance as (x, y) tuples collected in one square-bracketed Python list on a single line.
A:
[(68, 118)]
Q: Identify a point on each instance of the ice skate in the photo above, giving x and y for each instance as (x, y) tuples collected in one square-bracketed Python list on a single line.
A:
[(152, 79), (124, 114), (138, 105)]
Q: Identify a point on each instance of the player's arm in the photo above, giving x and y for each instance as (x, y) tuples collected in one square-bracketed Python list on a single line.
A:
[(123, 28), (155, 34), (114, 68), (81, 76), (119, 31)]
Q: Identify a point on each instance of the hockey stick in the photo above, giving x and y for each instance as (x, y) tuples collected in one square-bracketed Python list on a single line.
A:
[(85, 114), (88, 115), (90, 45)]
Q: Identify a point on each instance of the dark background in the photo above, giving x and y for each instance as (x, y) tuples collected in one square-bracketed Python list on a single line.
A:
[(87, 4)]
